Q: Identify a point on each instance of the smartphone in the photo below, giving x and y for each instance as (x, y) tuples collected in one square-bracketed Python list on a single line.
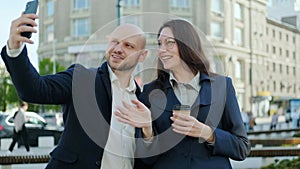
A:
[(185, 109), (31, 7)]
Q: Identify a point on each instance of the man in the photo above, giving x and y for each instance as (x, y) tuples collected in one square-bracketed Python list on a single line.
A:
[(20, 128), (88, 98)]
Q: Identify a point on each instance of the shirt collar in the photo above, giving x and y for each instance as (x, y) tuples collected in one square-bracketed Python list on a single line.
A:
[(114, 79), (194, 82)]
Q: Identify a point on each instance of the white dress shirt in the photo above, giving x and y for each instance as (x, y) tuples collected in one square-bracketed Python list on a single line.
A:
[(120, 147), (186, 92), (14, 52)]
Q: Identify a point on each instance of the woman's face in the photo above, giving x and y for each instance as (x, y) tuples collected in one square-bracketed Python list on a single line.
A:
[(168, 51)]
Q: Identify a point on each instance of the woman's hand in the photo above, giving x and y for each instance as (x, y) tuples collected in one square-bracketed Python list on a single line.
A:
[(190, 126), (136, 115)]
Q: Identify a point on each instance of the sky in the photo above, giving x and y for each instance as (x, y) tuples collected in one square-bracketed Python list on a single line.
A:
[(10, 10)]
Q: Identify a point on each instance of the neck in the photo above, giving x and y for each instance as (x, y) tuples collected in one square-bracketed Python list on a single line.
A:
[(124, 77), (183, 75)]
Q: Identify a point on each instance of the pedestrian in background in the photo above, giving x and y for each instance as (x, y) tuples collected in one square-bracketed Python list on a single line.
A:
[(274, 121), (20, 130), (252, 120)]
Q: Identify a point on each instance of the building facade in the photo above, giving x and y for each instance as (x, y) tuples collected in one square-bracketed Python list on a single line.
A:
[(258, 53)]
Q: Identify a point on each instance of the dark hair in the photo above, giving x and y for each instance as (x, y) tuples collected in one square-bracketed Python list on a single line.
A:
[(23, 104), (189, 47)]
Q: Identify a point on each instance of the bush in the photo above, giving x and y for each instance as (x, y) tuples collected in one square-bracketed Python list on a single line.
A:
[(284, 164)]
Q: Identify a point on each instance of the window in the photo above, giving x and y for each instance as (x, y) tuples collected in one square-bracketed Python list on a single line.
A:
[(280, 68), (81, 4), (218, 63), (238, 36), (132, 3), (179, 3), (287, 70), (280, 35), (81, 27), (50, 8), (280, 51), (294, 55), (238, 70), (294, 39), (136, 20), (49, 33), (274, 50), (294, 71), (217, 6), (216, 29), (238, 13)]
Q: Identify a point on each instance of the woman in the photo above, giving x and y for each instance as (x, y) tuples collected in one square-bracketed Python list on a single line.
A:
[(213, 132)]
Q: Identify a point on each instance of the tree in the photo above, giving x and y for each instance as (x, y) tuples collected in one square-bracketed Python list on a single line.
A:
[(8, 94), (46, 68)]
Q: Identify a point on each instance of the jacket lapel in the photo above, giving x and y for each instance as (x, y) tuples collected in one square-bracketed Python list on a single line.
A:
[(172, 99), (103, 92)]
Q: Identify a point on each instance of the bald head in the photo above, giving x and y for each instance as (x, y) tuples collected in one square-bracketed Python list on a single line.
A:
[(127, 30), (126, 47)]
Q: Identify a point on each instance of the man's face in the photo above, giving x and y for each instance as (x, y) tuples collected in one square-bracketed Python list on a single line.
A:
[(125, 47)]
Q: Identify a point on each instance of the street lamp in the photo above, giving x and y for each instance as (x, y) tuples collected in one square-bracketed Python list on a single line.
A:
[(54, 55), (119, 11)]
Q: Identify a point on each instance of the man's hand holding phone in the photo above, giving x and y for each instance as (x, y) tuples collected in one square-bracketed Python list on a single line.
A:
[(23, 26), (31, 8)]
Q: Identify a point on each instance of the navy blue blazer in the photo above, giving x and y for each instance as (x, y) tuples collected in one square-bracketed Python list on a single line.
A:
[(215, 106), (86, 99)]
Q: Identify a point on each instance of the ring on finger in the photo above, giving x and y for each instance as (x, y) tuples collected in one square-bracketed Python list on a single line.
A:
[(18, 30)]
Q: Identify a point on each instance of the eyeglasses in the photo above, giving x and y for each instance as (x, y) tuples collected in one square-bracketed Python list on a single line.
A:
[(168, 43)]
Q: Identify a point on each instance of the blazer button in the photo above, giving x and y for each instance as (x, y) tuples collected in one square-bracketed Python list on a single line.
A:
[(98, 163)]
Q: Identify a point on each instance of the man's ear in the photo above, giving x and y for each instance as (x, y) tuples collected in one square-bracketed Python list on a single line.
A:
[(143, 55)]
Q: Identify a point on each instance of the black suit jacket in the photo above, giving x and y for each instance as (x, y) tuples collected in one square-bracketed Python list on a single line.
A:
[(85, 96), (216, 106)]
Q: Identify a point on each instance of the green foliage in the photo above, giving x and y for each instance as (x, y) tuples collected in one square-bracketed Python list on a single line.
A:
[(8, 92), (284, 164), (46, 68), (296, 135)]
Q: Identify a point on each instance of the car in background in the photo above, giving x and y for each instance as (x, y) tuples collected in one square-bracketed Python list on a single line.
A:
[(54, 119), (36, 126)]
